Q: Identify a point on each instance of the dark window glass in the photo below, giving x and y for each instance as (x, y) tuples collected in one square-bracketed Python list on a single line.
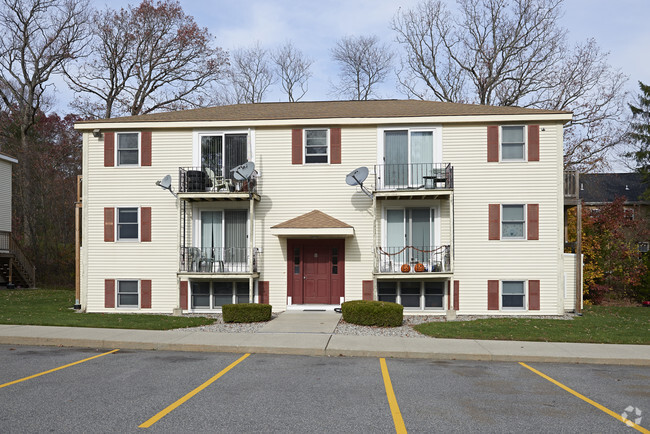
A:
[(387, 291), (296, 260), (200, 294), (222, 293), (433, 294), (127, 224), (410, 294), (241, 294), (512, 294), (127, 149)]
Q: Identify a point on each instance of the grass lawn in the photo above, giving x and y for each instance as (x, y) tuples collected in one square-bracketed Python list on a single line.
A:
[(599, 324), (51, 307)]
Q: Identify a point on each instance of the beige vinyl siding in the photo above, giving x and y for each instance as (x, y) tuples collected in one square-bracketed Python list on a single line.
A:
[(134, 187), (569, 287), (478, 184), (5, 196), (290, 190)]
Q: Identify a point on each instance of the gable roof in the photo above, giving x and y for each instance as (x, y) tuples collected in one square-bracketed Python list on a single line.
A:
[(326, 110), (597, 188), (312, 220)]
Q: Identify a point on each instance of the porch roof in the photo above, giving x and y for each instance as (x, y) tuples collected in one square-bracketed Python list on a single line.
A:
[(313, 224)]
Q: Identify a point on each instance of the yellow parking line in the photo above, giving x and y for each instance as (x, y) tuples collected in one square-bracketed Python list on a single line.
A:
[(584, 398), (176, 404), (55, 369), (392, 401)]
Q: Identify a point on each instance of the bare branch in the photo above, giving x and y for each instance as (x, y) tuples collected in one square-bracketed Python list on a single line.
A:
[(250, 74), (293, 69)]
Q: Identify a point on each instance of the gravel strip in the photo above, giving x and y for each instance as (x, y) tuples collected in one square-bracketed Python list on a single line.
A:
[(405, 330)]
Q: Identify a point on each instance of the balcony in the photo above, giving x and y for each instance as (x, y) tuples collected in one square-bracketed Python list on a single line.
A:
[(205, 182), (217, 260), (571, 189), (413, 180), (413, 261)]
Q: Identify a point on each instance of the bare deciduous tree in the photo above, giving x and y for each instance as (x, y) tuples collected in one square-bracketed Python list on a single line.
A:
[(293, 69), (37, 39), (250, 74), (147, 58), (513, 52), (364, 62)]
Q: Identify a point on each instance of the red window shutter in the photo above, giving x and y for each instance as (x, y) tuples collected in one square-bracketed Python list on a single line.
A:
[(109, 149), (145, 294), (109, 293), (493, 295), (493, 143), (335, 146), (533, 221), (109, 224), (533, 295), (145, 231), (183, 295), (533, 142), (494, 221), (296, 146), (449, 295), (456, 295), (263, 292), (145, 148), (367, 289)]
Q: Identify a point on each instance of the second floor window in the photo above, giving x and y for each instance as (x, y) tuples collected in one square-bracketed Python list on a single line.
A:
[(513, 221), (316, 146), (512, 143), (128, 149), (127, 224)]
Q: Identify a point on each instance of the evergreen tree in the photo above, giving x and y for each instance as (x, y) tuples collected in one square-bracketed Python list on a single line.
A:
[(640, 135)]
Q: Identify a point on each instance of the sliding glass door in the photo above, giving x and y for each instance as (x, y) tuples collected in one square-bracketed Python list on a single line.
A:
[(408, 157), (220, 153)]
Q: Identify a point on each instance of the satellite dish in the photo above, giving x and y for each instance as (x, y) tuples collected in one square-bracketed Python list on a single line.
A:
[(356, 177), (244, 171), (166, 184)]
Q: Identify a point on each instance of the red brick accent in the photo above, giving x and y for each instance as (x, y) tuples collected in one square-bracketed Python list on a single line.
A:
[(533, 221), (145, 148), (533, 142), (109, 225), (367, 289), (493, 295), (109, 149), (533, 295), (296, 146), (145, 294), (493, 143), (335, 146), (145, 226), (109, 293), (263, 292), (183, 303), (456, 295), (494, 222)]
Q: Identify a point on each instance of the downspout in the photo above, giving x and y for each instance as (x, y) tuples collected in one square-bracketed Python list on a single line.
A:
[(578, 245), (78, 205)]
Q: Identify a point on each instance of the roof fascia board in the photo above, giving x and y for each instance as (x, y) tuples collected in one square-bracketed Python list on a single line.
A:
[(452, 119), (312, 232), (8, 158)]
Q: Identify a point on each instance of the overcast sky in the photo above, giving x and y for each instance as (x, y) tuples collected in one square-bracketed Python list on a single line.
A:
[(619, 27)]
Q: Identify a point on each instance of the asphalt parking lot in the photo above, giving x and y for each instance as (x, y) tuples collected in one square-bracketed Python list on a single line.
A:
[(127, 391)]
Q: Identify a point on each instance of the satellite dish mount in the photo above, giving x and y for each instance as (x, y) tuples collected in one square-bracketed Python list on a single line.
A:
[(166, 184), (356, 177)]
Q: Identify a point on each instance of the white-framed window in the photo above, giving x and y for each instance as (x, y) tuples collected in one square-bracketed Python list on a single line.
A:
[(407, 156), (128, 149), (513, 294), (513, 222), (412, 294), (513, 143), (128, 223), (214, 294), (316, 142), (128, 293)]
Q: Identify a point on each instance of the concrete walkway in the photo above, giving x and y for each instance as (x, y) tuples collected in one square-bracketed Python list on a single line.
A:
[(306, 333)]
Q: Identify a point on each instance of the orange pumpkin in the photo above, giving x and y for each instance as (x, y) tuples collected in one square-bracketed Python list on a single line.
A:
[(419, 267), (406, 268)]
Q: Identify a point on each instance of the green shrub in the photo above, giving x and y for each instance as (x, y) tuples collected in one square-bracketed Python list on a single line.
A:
[(373, 313), (246, 312)]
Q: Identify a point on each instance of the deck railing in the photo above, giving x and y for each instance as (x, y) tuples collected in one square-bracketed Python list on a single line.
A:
[(571, 184), (427, 176), (206, 179), (419, 259), (216, 259)]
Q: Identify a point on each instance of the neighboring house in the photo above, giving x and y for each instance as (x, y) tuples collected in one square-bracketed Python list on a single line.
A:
[(597, 189), (466, 199), (15, 268)]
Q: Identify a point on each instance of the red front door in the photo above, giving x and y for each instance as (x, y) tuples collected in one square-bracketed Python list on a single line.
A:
[(315, 271)]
